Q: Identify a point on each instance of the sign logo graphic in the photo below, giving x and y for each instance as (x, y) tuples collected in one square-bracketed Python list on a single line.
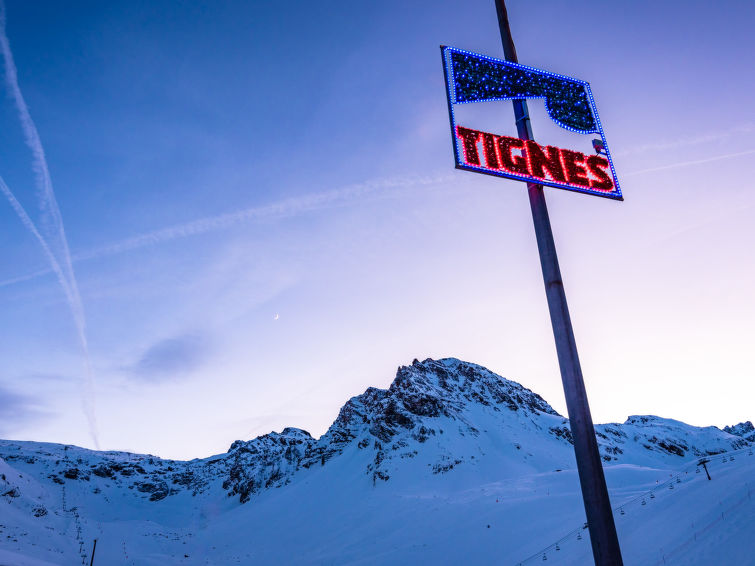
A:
[(586, 167)]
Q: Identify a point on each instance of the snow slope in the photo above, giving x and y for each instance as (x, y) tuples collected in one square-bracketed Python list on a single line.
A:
[(686, 519), (451, 464)]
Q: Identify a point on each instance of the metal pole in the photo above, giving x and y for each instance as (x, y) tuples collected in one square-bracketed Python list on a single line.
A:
[(706, 469), (605, 542), (94, 547)]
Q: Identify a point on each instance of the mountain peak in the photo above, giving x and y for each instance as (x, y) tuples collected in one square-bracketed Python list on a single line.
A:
[(433, 386)]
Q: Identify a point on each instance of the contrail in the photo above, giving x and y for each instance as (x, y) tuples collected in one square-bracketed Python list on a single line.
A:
[(52, 220), (284, 208), (29, 224), (280, 209), (27, 277), (715, 136), (693, 162)]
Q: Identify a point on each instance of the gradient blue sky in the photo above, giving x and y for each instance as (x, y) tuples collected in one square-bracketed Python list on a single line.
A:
[(264, 217)]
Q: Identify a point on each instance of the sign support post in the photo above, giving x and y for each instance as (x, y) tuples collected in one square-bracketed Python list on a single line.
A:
[(603, 537)]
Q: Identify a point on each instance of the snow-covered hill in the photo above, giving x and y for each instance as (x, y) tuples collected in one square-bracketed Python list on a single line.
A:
[(451, 463)]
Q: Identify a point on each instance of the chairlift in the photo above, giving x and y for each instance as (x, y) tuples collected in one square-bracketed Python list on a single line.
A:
[(622, 511), (644, 502), (652, 496)]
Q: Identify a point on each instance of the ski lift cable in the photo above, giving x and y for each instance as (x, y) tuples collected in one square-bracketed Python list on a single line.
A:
[(639, 498)]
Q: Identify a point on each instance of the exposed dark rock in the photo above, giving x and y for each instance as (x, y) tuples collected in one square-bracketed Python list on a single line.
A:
[(672, 448), (103, 471), (443, 467), (157, 490), (75, 474), (563, 432)]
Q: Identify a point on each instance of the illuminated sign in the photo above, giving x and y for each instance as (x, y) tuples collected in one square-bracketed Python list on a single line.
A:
[(585, 167)]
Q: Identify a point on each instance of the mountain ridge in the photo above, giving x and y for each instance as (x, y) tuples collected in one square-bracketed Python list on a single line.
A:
[(389, 424)]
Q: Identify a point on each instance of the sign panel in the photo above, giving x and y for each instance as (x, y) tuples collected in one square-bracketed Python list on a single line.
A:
[(576, 160)]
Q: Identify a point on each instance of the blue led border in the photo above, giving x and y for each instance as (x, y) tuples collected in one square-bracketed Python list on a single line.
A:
[(460, 164)]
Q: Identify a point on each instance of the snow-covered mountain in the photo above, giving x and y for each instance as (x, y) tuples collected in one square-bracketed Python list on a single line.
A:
[(745, 430), (420, 457)]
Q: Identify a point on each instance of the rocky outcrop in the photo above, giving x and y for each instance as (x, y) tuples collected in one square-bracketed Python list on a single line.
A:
[(744, 430), (267, 461)]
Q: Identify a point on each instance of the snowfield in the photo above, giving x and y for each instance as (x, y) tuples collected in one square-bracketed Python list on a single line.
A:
[(452, 464)]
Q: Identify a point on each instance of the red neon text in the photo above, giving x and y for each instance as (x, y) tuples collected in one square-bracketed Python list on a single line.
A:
[(528, 159)]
